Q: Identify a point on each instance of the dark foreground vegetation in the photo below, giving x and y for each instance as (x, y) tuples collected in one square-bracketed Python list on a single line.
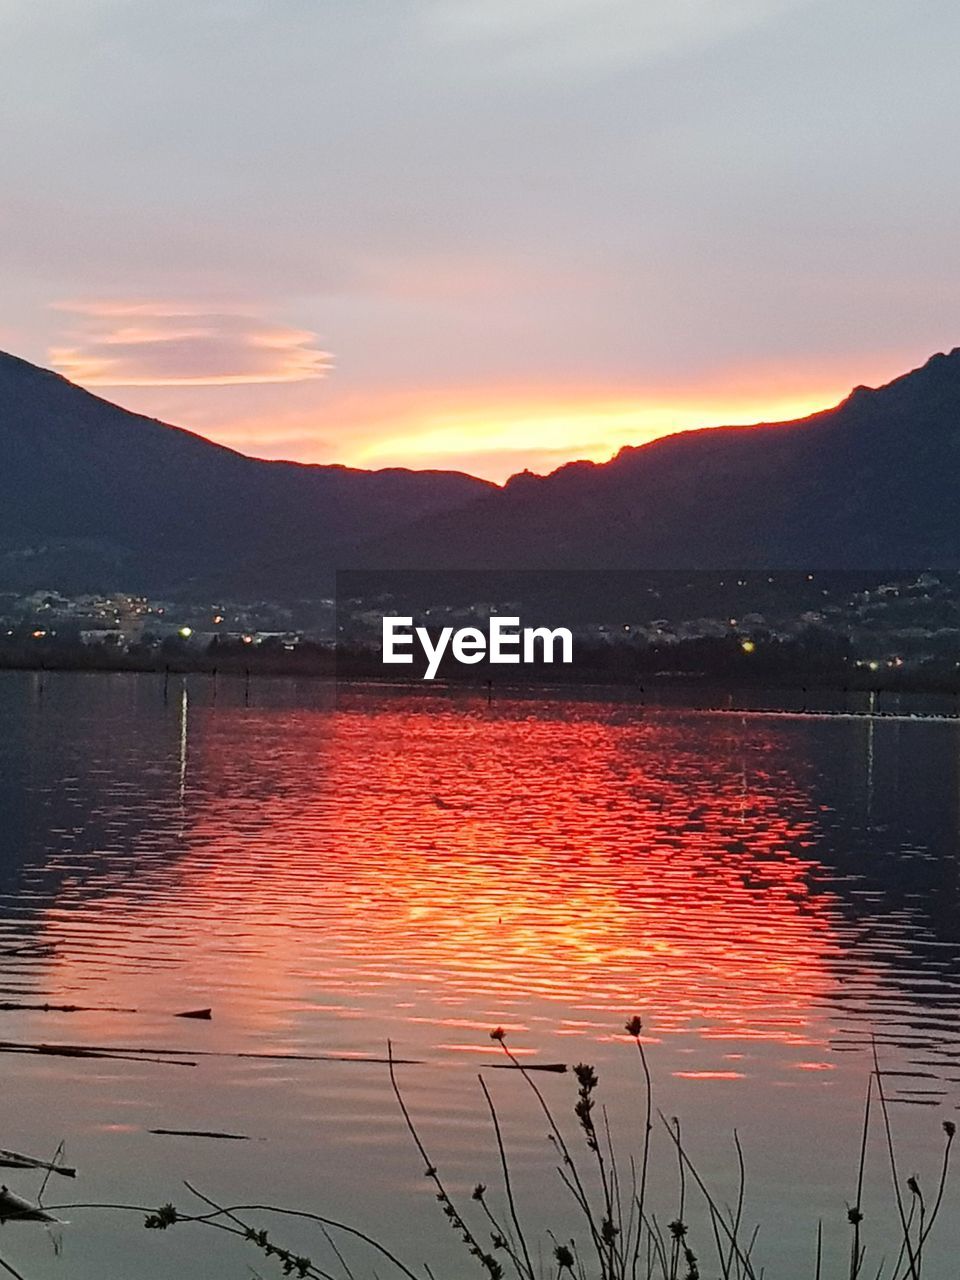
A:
[(606, 1227)]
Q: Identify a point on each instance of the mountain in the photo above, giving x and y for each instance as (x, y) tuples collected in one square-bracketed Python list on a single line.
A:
[(92, 496), (871, 483), (95, 497)]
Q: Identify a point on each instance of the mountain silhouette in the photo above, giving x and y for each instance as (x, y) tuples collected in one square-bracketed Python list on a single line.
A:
[(871, 483), (94, 497)]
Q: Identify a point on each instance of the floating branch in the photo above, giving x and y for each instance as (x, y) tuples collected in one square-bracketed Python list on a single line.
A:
[(10, 1006), (14, 1160), (14, 1208), (161, 1055), (201, 1133), (81, 1051), (558, 1067), (7, 1006)]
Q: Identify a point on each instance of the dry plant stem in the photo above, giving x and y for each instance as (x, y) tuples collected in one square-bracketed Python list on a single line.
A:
[(574, 1181), (679, 1237), (327, 1222), (908, 1244), (653, 1227), (633, 1224), (614, 1268), (685, 1159), (738, 1216), (303, 1265), (593, 1143), (209, 1220), (581, 1269), (920, 1232), (650, 1256), (507, 1184), (941, 1188), (856, 1254), (615, 1187), (645, 1159), (716, 1221), (337, 1254), (501, 1234), (819, 1249), (240, 1229), (243, 1232), (57, 1156), (456, 1218), (753, 1241), (675, 1249), (925, 1230), (897, 1264)]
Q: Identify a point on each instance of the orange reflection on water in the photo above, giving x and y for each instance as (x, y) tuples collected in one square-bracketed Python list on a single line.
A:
[(439, 868)]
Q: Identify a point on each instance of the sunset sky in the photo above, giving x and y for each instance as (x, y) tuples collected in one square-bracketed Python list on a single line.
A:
[(485, 234)]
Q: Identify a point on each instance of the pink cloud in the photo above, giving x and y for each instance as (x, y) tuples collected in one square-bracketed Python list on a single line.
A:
[(157, 344)]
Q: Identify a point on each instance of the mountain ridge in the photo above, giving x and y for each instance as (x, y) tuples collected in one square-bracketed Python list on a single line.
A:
[(92, 495), (869, 482), (95, 496)]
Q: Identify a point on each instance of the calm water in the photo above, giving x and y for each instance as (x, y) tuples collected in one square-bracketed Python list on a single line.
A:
[(764, 892)]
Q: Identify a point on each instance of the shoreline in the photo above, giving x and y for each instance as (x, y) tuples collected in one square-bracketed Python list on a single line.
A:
[(648, 688)]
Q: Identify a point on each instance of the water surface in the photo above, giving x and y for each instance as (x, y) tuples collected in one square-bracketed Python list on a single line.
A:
[(328, 875)]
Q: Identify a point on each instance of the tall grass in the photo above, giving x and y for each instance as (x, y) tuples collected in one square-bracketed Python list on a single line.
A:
[(607, 1229)]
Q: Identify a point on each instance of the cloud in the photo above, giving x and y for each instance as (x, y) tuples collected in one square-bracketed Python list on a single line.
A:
[(552, 36), (611, 202), (160, 344)]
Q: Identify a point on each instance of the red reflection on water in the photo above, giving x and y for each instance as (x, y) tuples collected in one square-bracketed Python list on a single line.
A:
[(709, 1075), (444, 869)]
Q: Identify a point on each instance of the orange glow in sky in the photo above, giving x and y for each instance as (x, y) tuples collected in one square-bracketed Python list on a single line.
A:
[(500, 437), (489, 432), (249, 379)]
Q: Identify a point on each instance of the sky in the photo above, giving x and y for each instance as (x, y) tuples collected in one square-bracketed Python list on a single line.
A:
[(482, 234)]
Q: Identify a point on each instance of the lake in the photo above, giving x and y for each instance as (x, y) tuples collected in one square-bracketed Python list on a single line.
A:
[(330, 872)]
